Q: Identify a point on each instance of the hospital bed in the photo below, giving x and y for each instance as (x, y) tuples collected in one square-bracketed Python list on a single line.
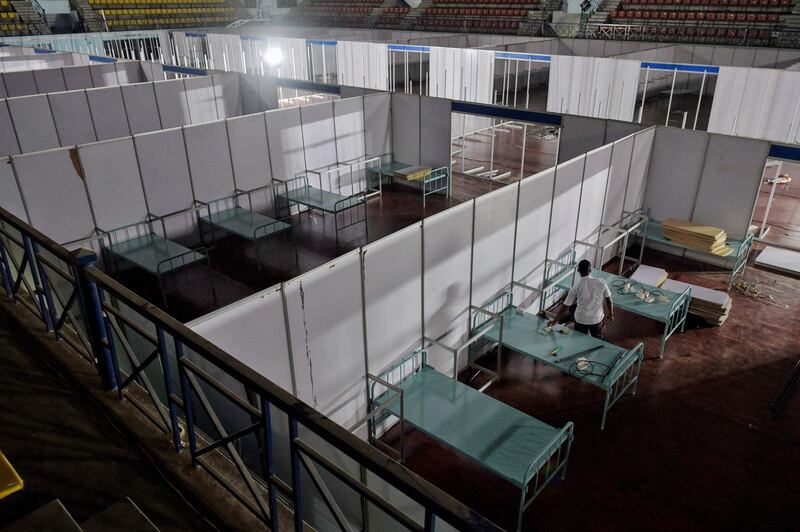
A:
[(139, 244), (228, 215), (429, 180), (611, 368), (737, 260), (347, 210), (669, 308), (519, 448)]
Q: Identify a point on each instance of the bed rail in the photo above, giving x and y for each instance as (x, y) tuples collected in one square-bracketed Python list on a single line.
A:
[(384, 390), (550, 462), (623, 375), (492, 319), (554, 272), (282, 203)]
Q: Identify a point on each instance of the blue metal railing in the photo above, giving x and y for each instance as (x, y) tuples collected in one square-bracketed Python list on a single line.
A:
[(199, 392)]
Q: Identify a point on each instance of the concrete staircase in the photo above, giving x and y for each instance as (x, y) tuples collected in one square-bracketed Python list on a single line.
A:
[(606, 7), (28, 15), (124, 515), (91, 20)]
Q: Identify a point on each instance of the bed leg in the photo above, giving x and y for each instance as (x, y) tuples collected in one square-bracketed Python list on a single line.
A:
[(163, 292), (664, 339), (605, 409), (521, 511)]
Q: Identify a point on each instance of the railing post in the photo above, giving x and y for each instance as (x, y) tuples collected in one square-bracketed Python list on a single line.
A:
[(266, 416), (186, 394), (5, 271), (33, 268), (91, 301), (165, 368), (297, 498), (430, 520)]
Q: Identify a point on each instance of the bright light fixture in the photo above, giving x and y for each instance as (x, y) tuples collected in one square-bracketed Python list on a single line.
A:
[(273, 56)]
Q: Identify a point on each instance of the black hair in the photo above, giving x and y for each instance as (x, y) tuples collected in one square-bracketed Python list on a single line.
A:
[(584, 267)]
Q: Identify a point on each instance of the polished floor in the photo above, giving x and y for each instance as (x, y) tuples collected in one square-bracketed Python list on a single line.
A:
[(233, 265), (694, 449)]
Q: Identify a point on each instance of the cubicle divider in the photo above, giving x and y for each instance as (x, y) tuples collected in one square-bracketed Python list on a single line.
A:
[(105, 185), (358, 314), (714, 180), (68, 78), (43, 121), (40, 61)]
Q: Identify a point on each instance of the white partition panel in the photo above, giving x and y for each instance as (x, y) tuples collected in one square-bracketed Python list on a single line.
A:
[(285, 135), (566, 204), (729, 186), (622, 99), (50, 80), (112, 180), (209, 160), (141, 107), (378, 123), (8, 136), (327, 338), (200, 99), (349, 119), (228, 95), (783, 115), (10, 198), (595, 181), (448, 241), (406, 127), (77, 77), (171, 100), (435, 133), (727, 101), (640, 162), (617, 181), (108, 111), (673, 180), (533, 226), (493, 248), (54, 191), (393, 294), (165, 174), (247, 136), (33, 123), (593, 194), (72, 118), (253, 331), (129, 72), (20, 83), (319, 139), (104, 75)]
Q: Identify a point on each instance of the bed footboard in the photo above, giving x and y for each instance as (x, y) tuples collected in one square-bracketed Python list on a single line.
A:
[(623, 375), (544, 468)]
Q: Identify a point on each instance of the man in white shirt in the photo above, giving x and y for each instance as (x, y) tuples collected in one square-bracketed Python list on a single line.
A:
[(585, 302)]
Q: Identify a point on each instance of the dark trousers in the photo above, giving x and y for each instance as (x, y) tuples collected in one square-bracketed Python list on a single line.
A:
[(598, 330)]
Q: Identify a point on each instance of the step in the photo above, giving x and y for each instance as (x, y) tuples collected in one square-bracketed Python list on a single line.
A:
[(51, 516), (123, 515)]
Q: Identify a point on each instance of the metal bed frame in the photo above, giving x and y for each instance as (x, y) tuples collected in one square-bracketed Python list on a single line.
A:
[(138, 244), (228, 215), (347, 211), (672, 312), (741, 248), (518, 331), (435, 181), (511, 444)]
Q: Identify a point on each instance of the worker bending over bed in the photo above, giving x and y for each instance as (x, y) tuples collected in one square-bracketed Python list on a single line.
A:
[(585, 302)]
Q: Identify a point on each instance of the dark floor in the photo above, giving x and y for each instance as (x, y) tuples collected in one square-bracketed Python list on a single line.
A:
[(694, 449), (63, 447), (234, 268)]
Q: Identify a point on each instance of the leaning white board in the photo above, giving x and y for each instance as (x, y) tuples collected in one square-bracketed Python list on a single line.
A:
[(782, 260)]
